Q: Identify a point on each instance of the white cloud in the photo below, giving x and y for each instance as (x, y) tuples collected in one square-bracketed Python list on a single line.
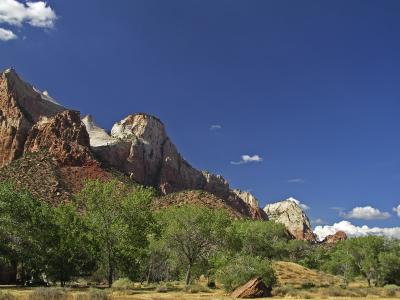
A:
[(215, 127), (355, 231), (37, 14), (366, 213), (318, 221), (296, 180), (302, 205), (397, 210), (247, 159), (7, 35)]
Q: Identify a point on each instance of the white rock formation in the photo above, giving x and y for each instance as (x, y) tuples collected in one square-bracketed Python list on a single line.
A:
[(98, 136), (290, 214), (247, 197)]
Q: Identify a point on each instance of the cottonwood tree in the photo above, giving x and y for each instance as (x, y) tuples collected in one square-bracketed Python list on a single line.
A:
[(26, 230), (73, 248), (120, 219), (193, 233)]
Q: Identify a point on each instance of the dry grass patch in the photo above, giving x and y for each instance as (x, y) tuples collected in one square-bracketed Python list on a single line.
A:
[(295, 275)]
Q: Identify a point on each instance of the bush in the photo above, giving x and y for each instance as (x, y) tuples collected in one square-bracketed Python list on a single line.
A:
[(122, 284), (243, 268), (307, 285), (7, 296), (48, 294), (391, 290), (96, 294), (283, 290), (162, 289), (195, 288)]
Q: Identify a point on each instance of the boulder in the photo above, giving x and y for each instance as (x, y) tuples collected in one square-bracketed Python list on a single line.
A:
[(254, 288)]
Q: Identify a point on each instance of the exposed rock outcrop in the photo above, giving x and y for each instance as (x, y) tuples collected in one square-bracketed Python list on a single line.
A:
[(290, 214), (140, 147), (65, 138), (247, 197), (21, 106), (254, 288), (334, 238), (34, 126)]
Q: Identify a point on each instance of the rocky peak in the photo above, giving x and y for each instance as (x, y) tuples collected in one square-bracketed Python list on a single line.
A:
[(21, 106), (334, 238), (64, 136), (247, 197), (143, 126), (290, 214)]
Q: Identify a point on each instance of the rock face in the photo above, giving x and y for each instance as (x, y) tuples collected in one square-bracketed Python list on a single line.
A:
[(140, 147), (334, 238), (247, 197), (39, 131), (21, 106), (255, 288), (290, 214), (64, 136)]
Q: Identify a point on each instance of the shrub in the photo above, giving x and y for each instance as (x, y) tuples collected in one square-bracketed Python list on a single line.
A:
[(307, 285), (195, 288), (243, 268), (122, 284), (162, 289), (96, 294), (283, 290), (48, 294), (391, 290), (7, 296)]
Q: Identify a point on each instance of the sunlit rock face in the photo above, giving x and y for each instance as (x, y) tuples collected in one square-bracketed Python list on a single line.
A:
[(64, 137), (139, 146), (290, 214), (35, 128), (21, 106)]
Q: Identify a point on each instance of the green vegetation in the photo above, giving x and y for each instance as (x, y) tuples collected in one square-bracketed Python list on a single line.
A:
[(110, 235)]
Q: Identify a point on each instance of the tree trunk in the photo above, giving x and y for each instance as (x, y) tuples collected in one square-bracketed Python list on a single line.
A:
[(188, 274), (110, 274), (369, 282)]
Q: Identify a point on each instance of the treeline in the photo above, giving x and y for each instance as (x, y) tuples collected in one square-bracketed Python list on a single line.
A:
[(110, 231)]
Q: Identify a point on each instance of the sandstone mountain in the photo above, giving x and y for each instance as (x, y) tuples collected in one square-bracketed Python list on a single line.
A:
[(290, 214), (21, 106), (39, 136), (50, 150)]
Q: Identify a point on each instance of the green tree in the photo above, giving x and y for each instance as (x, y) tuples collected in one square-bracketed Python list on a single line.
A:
[(259, 238), (241, 268), (389, 263), (120, 219), (73, 248), (193, 233), (26, 230)]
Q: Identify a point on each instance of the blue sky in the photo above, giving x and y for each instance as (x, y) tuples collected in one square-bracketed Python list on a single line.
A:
[(310, 87)]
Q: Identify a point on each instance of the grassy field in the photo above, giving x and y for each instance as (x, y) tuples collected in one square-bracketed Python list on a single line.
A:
[(316, 293), (294, 281)]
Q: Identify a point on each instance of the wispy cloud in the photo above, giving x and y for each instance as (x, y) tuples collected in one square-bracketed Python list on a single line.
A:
[(34, 13), (365, 213), (7, 35), (248, 159), (215, 127), (318, 221), (397, 210), (354, 231), (296, 180)]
